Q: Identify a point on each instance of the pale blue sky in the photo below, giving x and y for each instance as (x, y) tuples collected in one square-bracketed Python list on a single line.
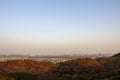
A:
[(76, 26)]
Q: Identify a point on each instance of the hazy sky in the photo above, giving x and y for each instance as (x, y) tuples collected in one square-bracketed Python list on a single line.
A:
[(59, 26)]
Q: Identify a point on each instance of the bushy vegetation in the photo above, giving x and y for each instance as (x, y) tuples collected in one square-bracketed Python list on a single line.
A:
[(22, 76), (79, 69), (3, 77)]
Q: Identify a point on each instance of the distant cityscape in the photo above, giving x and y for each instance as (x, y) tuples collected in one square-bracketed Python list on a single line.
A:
[(51, 58)]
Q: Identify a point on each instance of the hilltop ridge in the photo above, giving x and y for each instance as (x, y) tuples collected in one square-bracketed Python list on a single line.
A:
[(116, 55)]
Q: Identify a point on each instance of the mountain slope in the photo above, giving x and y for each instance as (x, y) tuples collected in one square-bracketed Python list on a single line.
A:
[(28, 66), (90, 69), (77, 69), (116, 55)]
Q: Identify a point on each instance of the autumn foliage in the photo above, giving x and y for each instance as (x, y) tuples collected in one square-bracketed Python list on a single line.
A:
[(78, 69)]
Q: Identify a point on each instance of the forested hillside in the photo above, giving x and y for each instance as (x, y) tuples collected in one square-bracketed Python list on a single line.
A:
[(78, 69)]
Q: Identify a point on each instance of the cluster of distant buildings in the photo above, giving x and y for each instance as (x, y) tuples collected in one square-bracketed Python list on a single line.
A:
[(11, 58), (53, 59)]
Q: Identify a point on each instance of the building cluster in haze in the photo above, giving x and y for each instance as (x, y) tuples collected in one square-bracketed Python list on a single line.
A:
[(51, 58)]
